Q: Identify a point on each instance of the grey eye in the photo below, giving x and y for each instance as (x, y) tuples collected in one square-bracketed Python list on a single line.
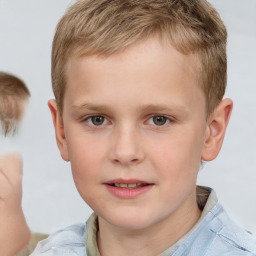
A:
[(159, 120)]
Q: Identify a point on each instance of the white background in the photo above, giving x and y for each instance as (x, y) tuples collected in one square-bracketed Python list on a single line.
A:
[(50, 199)]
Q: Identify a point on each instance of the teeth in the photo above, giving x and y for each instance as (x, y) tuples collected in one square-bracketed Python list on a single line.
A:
[(135, 185), (132, 185)]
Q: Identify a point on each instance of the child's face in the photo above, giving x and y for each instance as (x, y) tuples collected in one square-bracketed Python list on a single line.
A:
[(136, 118)]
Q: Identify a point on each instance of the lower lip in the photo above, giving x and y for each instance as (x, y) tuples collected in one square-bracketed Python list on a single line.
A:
[(125, 193)]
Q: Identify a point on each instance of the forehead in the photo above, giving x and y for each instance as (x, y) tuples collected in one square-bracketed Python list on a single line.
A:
[(142, 69), (154, 50)]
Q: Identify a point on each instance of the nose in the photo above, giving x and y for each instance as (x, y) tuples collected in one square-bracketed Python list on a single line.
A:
[(127, 146)]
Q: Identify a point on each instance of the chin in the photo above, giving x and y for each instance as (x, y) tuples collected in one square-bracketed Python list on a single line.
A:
[(129, 220)]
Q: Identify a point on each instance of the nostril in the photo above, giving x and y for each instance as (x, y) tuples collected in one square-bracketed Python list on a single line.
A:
[(126, 161)]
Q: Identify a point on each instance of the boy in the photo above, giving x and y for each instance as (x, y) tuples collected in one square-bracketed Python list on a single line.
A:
[(139, 88)]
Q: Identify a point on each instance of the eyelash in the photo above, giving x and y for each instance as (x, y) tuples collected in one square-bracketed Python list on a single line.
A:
[(168, 120)]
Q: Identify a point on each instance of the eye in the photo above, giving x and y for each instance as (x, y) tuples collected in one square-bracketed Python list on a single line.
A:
[(159, 120), (96, 120)]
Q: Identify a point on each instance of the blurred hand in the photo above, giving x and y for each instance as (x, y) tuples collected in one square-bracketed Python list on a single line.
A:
[(14, 232)]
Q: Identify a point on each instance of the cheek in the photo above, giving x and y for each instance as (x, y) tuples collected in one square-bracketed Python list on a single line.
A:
[(86, 157), (177, 156), (86, 164)]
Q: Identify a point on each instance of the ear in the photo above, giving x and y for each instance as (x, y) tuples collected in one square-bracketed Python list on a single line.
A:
[(59, 129), (216, 128)]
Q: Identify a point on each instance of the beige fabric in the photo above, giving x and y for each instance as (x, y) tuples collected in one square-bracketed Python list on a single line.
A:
[(35, 238), (91, 236)]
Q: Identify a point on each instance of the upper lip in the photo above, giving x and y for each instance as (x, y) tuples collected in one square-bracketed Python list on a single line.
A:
[(127, 181)]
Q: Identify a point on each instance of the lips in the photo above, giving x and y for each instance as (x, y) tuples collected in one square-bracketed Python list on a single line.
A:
[(128, 186), (128, 189)]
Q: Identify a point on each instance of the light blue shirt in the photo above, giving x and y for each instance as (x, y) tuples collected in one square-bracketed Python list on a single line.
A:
[(215, 234)]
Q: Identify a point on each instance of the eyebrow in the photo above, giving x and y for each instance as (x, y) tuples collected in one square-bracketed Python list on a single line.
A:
[(143, 108), (90, 107), (163, 107)]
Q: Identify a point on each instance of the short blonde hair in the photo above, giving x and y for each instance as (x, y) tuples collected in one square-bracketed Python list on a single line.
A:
[(105, 27), (13, 95)]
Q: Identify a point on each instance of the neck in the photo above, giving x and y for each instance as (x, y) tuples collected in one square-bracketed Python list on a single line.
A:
[(150, 241)]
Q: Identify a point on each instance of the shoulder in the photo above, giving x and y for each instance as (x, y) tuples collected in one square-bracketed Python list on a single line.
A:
[(230, 237), (63, 242), (225, 236), (217, 234)]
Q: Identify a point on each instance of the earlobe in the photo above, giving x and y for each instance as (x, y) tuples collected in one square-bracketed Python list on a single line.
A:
[(59, 129), (216, 128)]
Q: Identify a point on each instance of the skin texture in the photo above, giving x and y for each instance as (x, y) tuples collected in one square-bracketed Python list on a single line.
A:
[(128, 91), (14, 232)]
